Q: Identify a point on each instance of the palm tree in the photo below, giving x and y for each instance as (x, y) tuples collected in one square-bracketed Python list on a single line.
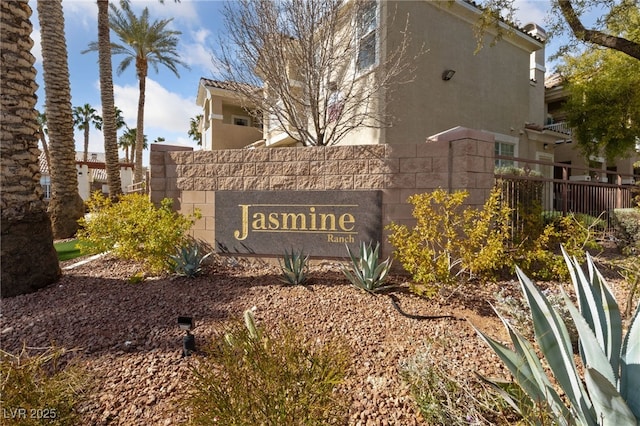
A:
[(126, 141), (83, 117), (119, 119), (120, 123), (194, 129), (109, 126), (66, 206), (28, 260), (145, 43)]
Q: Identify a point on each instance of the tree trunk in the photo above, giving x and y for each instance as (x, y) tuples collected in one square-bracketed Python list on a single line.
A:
[(86, 143), (28, 260), (142, 84), (66, 205), (109, 127)]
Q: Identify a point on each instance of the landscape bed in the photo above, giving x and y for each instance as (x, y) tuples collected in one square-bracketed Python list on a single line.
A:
[(129, 342)]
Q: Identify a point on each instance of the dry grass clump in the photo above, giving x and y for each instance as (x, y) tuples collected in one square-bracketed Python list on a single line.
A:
[(38, 386)]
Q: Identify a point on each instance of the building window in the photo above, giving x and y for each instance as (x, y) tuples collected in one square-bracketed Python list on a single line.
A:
[(367, 33), (240, 120), (45, 182), (505, 149), (335, 103)]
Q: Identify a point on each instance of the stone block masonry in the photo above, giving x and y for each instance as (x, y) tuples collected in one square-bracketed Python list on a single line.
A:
[(459, 159)]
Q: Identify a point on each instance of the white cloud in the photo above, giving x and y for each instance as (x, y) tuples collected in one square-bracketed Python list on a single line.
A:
[(83, 13), (201, 35), (531, 11), (197, 55), (184, 11), (163, 109)]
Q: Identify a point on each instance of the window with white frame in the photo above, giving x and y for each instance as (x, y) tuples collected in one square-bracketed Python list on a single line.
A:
[(241, 120), (505, 149), (367, 34)]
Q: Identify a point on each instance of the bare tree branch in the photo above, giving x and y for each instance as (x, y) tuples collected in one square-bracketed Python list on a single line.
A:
[(594, 36), (304, 57)]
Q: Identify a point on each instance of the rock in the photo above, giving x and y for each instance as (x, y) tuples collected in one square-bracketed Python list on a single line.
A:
[(130, 343)]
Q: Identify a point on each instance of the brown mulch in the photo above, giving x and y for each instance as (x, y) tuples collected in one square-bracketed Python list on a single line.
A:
[(128, 340)]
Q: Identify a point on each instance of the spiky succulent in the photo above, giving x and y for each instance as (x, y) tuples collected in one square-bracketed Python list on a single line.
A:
[(294, 267), (188, 260), (366, 271), (608, 392)]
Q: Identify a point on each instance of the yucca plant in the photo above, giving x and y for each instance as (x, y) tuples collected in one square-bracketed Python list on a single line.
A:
[(294, 267), (188, 260), (608, 395), (366, 271)]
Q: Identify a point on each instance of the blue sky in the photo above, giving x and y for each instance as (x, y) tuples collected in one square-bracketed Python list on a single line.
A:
[(170, 101)]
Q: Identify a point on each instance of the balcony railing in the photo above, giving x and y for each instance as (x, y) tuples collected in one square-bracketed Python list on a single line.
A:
[(562, 127)]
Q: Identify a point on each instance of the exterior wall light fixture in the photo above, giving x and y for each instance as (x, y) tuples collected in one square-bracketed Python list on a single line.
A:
[(189, 340), (448, 74)]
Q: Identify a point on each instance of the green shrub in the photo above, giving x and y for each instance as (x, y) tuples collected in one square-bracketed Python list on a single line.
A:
[(35, 389), (366, 271), (251, 377), (524, 197), (606, 392), (627, 229), (450, 242), (187, 261), (629, 269), (134, 228), (294, 267), (539, 257)]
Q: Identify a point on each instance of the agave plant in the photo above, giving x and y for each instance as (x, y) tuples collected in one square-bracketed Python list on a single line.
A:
[(366, 271), (294, 268), (188, 260), (609, 394)]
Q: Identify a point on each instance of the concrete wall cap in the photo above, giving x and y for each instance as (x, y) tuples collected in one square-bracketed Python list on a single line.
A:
[(460, 132), (167, 147)]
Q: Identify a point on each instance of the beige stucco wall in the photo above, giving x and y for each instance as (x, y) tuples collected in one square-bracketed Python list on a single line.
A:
[(460, 159), (490, 89)]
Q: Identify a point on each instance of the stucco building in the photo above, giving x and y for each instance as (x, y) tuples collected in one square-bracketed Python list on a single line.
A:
[(498, 89), (225, 123)]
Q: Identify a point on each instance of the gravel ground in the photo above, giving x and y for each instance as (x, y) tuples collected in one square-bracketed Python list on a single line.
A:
[(129, 341)]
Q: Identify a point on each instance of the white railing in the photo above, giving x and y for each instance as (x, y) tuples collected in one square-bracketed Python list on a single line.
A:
[(140, 187), (562, 127)]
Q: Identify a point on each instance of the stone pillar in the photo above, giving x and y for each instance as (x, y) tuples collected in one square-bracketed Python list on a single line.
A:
[(470, 161)]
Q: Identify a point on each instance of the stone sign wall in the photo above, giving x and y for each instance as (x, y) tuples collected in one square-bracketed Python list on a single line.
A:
[(460, 159)]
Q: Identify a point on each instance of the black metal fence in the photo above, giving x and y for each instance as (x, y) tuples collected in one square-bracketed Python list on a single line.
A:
[(594, 192)]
